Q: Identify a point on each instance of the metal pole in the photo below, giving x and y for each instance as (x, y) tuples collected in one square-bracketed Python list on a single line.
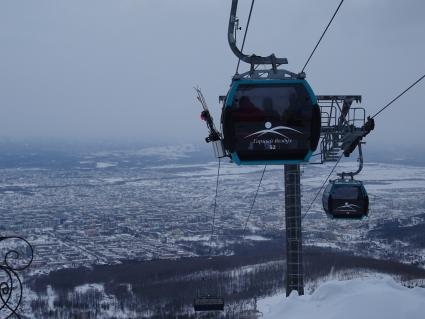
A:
[(294, 256)]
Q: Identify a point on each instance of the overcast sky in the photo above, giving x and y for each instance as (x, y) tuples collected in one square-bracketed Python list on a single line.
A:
[(125, 68)]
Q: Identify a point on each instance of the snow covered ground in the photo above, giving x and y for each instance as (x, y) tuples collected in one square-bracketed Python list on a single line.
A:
[(377, 298)]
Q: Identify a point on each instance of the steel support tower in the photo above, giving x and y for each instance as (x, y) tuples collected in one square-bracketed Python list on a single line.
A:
[(294, 255)]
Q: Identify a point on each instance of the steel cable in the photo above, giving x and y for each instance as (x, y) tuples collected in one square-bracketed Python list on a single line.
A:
[(215, 206), (244, 36), (323, 34), (399, 96), (253, 202)]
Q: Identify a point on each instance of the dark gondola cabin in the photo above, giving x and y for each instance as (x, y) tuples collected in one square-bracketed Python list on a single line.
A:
[(208, 303), (344, 198), (270, 121)]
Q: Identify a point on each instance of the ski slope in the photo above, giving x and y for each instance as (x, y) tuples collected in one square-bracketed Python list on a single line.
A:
[(381, 298)]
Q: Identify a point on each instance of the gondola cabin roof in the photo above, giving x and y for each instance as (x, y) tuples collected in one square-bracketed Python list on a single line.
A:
[(269, 121)]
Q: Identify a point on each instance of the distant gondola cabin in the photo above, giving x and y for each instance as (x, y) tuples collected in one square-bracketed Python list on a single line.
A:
[(346, 199), (270, 121)]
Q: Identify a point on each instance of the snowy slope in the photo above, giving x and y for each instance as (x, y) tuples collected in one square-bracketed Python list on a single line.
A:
[(352, 299)]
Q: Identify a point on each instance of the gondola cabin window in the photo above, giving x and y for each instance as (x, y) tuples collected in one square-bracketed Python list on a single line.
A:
[(345, 193)]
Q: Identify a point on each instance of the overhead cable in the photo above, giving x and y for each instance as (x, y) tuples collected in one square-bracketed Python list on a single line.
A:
[(253, 202), (399, 96), (244, 36), (215, 205), (323, 34)]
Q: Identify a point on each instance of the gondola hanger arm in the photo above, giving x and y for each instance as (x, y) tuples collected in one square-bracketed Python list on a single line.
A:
[(250, 59), (360, 160)]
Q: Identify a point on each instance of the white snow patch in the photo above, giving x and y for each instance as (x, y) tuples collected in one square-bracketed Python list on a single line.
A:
[(194, 238), (325, 244), (113, 180), (169, 152), (105, 164), (256, 238), (51, 297), (86, 287), (380, 298)]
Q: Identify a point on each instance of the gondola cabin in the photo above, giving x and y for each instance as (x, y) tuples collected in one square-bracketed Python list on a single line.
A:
[(344, 198), (208, 303), (268, 121)]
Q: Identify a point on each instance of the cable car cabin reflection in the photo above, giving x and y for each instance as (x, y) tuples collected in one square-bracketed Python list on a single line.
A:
[(270, 121), (345, 199), (208, 303)]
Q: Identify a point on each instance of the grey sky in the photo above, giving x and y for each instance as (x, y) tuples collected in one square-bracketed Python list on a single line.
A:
[(126, 68)]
